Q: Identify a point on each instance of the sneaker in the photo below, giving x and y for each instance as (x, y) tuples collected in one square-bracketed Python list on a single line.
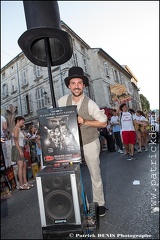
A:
[(101, 211), (139, 150), (146, 150), (128, 157), (120, 151), (133, 158)]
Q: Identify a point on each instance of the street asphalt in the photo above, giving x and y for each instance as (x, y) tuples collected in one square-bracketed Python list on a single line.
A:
[(132, 198)]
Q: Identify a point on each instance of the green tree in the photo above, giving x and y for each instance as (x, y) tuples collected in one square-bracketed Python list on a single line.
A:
[(145, 104)]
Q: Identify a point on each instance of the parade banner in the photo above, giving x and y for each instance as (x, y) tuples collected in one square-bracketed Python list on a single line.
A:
[(119, 92), (59, 135)]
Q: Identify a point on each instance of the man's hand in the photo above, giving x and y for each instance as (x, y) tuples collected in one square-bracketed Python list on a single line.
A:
[(81, 121)]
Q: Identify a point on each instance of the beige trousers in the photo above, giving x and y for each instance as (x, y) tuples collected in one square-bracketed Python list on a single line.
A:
[(91, 154)]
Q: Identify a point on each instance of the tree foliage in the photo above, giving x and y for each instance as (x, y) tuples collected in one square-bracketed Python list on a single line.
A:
[(145, 104)]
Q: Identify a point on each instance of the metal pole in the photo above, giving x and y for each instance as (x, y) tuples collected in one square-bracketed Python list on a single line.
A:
[(48, 57), (61, 80)]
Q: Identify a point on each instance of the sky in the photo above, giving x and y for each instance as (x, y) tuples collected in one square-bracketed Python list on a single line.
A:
[(126, 30)]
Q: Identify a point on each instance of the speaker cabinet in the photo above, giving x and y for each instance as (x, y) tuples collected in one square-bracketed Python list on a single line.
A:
[(60, 197)]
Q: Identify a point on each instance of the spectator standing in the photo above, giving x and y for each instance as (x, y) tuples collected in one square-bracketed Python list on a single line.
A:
[(26, 145), (127, 121), (116, 130), (110, 138), (32, 136), (128, 131), (39, 150), (18, 153), (3, 138), (90, 118), (3, 127), (141, 130)]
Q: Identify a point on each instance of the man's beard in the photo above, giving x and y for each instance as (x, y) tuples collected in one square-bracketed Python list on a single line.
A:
[(77, 94)]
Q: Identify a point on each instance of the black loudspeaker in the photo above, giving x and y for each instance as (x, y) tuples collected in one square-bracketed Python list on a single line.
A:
[(60, 198)]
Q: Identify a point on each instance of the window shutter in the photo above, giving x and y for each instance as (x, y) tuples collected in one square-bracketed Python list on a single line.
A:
[(22, 82), (38, 71), (25, 105), (24, 77), (30, 102)]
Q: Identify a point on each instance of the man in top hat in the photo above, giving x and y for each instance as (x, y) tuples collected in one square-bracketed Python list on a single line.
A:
[(90, 118)]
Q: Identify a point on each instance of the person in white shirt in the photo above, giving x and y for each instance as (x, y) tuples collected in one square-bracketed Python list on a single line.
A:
[(127, 121), (141, 131), (115, 123)]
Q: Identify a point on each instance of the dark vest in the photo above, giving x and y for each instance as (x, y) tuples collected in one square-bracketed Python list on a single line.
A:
[(88, 134)]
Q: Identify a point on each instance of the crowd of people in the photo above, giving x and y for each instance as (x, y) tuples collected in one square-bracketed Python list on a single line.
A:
[(128, 129), (120, 133), (25, 150)]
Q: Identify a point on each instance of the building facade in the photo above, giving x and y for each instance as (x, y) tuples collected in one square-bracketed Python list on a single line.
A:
[(26, 86)]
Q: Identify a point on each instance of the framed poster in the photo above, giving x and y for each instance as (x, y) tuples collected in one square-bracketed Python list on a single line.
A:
[(59, 135)]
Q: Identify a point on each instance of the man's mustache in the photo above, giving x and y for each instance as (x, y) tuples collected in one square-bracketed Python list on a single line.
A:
[(77, 89)]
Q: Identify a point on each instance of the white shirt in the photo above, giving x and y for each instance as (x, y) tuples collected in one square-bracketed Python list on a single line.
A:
[(140, 118), (115, 120), (127, 122), (93, 108)]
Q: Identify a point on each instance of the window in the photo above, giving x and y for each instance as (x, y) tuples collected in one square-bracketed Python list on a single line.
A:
[(3, 76), (75, 62), (40, 98), (122, 79), (73, 41), (13, 85), (85, 65), (106, 69), (12, 69), (38, 71), (116, 76), (5, 90), (109, 94), (24, 78), (27, 104), (82, 49)]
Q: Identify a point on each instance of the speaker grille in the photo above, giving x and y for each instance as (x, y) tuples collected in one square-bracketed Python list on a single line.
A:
[(58, 200), (59, 205)]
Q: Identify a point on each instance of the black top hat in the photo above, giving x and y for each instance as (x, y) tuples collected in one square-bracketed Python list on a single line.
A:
[(76, 72), (43, 21)]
